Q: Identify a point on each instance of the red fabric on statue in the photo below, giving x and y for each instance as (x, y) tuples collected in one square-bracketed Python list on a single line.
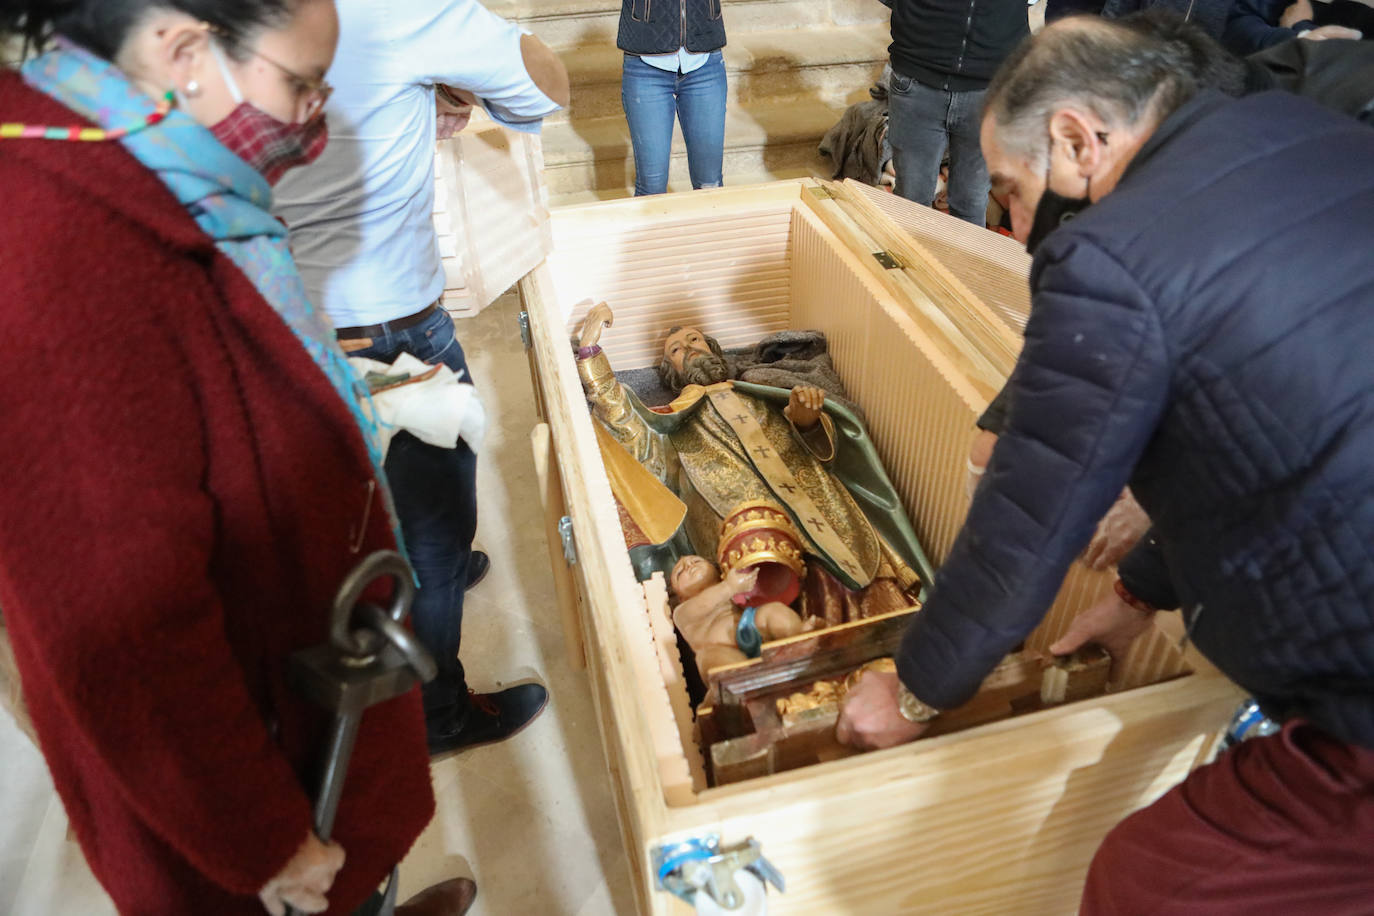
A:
[(1282, 824), (182, 491)]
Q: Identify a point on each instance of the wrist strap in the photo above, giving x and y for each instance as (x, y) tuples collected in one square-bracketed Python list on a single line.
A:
[(1124, 594)]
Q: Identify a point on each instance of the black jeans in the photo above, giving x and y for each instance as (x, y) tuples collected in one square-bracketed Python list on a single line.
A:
[(435, 490), (921, 122)]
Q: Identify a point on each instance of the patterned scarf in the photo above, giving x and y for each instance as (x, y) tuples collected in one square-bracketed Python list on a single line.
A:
[(228, 200)]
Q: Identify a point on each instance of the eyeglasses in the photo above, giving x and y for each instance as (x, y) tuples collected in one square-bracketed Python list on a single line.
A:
[(315, 92)]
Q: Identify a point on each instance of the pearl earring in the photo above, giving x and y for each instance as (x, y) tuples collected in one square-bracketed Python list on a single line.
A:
[(192, 89)]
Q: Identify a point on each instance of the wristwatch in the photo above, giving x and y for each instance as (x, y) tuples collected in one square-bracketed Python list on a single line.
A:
[(912, 709)]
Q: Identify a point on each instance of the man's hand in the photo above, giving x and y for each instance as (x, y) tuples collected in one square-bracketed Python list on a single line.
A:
[(979, 454), (1332, 31), (1110, 623), (1124, 524), (1297, 12), (449, 123), (454, 108), (305, 880), (870, 719), (804, 407)]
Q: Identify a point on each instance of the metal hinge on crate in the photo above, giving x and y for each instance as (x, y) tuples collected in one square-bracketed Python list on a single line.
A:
[(523, 319), (565, 531), (888, 260), (700, 865)]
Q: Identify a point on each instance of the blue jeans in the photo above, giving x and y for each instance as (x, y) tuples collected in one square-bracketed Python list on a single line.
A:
[(652, 98), (921, 122), (435, 491)]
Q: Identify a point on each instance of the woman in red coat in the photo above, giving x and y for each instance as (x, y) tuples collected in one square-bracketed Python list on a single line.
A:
[(187, 471)]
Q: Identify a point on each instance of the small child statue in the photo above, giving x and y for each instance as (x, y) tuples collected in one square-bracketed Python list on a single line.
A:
[(719, 631)]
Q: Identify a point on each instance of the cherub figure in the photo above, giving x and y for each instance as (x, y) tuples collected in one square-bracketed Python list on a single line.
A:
[(719, 631)]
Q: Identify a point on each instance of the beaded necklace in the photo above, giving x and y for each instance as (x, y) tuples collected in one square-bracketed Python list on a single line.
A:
[(14, 131)]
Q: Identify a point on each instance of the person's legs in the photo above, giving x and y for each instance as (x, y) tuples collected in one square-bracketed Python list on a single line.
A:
[(968, 173), (435, 492), (1281, 824), (646, 93), (916, 129), (701, 98)]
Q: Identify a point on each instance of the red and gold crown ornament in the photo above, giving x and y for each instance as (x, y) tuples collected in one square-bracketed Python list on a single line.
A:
[(759, 534)]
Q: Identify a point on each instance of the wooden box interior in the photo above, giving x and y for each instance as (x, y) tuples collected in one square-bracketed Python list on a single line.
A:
[(762, 261)]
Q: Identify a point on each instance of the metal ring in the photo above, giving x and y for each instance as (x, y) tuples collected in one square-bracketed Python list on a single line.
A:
[(404, 641), (382, 563)]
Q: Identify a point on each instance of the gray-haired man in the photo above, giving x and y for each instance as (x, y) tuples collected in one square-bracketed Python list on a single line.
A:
[(1174, 347)]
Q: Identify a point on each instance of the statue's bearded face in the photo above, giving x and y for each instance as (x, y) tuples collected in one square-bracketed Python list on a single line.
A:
[(695, 358)]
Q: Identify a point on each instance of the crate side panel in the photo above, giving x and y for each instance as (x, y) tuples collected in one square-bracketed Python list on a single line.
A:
[(725, 271), (993, 266), (917, 414), (998, 820)]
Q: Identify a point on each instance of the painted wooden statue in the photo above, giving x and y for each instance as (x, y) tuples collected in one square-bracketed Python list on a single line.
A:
[(723, 446)]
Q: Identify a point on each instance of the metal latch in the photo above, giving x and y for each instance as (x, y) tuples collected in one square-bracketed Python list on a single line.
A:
[(523, 319), (888, 260), (565, 531), (701, 865), (821, 193)]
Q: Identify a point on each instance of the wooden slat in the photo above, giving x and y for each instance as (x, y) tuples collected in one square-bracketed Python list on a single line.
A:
[(565, 589), (670, 669)]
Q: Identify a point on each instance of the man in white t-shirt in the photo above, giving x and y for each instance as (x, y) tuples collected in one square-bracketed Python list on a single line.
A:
[(363, 237)]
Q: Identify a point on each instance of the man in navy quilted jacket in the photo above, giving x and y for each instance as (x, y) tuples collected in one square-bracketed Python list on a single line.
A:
[(1202, 330)]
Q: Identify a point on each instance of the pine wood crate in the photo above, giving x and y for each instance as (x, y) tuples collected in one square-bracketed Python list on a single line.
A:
[(998, 819)]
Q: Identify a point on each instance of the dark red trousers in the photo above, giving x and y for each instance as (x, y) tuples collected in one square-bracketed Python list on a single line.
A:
[(1281, 825)]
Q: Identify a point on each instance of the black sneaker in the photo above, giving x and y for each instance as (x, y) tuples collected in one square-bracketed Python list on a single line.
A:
[(479, 564), (494, 717)]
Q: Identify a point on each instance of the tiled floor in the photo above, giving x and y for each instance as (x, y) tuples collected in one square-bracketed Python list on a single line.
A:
[(532, 819)]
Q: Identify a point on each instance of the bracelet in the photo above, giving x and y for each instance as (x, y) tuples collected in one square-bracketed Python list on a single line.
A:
[(1139, 604)]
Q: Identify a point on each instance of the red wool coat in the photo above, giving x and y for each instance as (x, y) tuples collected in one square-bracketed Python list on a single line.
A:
[(181, 493)]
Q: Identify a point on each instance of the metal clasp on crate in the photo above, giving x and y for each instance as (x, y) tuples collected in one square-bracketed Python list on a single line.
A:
[(523, 319), (565, 531), (701, 865)]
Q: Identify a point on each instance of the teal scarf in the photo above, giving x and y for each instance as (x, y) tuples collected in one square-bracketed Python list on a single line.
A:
[(228, 200)]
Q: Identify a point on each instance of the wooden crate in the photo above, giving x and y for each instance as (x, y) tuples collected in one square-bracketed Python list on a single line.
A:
[(491, 212), (999, 819)]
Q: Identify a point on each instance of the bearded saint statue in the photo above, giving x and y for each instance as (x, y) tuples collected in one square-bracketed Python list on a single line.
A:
[(722, 445)]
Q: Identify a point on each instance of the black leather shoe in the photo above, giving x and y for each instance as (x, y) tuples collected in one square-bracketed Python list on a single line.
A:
[(479, 564), (494, 717), (450, 898)]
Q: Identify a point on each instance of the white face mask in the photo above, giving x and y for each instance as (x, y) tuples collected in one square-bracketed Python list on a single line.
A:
[(229, 82)]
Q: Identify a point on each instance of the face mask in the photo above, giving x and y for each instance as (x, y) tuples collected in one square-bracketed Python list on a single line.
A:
[(270, 146), (1053, 211)]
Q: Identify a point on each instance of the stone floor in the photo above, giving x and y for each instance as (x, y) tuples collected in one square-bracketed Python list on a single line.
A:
[(532, 819)]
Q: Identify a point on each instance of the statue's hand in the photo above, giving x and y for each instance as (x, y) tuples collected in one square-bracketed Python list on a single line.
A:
[(804, 407), (740, 581), (598, 318)]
